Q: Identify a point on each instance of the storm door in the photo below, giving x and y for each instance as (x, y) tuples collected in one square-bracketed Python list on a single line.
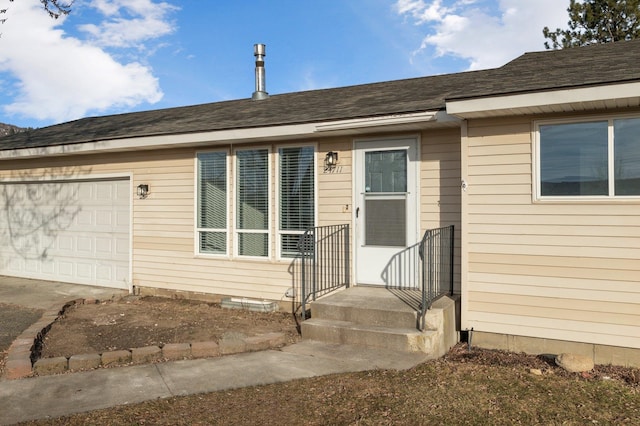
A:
[(386, 209)]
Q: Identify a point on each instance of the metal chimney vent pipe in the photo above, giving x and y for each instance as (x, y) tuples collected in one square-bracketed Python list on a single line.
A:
[(260, 51)]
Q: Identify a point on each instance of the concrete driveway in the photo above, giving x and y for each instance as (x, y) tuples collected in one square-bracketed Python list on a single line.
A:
[(22, 302)]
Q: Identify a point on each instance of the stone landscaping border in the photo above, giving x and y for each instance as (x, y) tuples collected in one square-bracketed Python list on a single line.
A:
[(23, 359)]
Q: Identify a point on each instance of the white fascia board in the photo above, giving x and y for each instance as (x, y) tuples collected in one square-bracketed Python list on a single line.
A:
[(385, 120), (165, 141), (268, 133), (555, 97)]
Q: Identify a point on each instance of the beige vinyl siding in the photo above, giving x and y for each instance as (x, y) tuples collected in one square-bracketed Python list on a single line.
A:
[(163, 227), (440, 203), (164, 252), (557, 270), (335, 188)]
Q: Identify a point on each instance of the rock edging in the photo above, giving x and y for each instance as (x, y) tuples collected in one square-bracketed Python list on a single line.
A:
[(23, 359)]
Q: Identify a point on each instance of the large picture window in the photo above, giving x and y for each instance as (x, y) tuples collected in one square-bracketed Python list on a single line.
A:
[(296, 196), (252, 202), (212, 202), (235, 195), (590, 159)]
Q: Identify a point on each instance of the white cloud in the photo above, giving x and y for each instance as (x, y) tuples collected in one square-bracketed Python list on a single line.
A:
[(486, 33), (49, 75), (129, 22)]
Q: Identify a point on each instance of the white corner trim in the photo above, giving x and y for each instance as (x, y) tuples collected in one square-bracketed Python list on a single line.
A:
[(554, 97)]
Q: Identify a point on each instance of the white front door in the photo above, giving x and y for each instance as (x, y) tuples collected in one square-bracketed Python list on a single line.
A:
[(386, 187)]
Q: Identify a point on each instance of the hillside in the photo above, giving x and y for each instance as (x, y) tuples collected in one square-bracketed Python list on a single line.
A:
[(8, 129)]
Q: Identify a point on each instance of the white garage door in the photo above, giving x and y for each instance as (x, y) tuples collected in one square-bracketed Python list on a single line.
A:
[(69, 231)]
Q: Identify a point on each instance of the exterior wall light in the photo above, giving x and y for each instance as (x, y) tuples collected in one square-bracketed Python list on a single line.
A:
[(143, 191), (331, 159)]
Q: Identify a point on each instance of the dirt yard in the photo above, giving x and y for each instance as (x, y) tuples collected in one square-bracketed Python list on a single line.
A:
[(465, 387), (134, 322)]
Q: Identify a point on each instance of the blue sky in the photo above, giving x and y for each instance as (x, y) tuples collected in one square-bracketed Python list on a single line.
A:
[(115, 56)]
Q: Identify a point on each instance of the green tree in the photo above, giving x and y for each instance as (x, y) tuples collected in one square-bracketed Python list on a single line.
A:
[(596, 21)]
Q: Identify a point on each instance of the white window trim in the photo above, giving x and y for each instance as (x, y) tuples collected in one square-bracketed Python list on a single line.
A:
[(234, 203), (278, 232), (591, 199), (196, 239)]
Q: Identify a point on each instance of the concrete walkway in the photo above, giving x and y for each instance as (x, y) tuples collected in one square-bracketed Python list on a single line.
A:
[(54, 396)]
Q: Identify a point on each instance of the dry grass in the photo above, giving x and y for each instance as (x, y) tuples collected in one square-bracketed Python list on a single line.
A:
[(478, 387)]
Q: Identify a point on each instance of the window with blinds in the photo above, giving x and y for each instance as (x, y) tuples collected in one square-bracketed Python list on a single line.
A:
[(296, 196), (212, 202), (252, 202)]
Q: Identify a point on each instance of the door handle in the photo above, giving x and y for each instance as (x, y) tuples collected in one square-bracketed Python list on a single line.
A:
[(357, 212)]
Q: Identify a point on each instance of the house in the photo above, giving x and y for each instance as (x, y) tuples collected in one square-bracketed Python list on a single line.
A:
[(536, 164)]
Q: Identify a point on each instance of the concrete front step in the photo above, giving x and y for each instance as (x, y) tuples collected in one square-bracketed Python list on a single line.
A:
[(347, 332), (365, 315), (384, 318), (370, 306)]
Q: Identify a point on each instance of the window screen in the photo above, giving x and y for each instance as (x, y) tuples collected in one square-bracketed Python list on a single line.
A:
[(386, 222)]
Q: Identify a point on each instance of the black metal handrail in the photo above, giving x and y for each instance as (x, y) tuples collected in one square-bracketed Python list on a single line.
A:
[(436, 255), (324, 254)]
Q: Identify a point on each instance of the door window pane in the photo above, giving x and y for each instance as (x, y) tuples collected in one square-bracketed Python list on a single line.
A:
[(574, 159), (386, 171), (627, 156)]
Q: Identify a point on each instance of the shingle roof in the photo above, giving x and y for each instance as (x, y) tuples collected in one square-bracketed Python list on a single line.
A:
[(557, 69), (419, 94), (547, 70)]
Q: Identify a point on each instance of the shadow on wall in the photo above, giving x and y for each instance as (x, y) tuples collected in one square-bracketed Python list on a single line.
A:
[(403, 269), (35, 207)]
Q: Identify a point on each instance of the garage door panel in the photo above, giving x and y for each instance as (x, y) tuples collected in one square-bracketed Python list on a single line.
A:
[(104, 192), (65, 244), (48, 268), (84, 247), (104, 247), (68, 231), (65, 269), (84, 218), (105, 272), (104, 218), (32, 266), (122, 248), (84, 270)]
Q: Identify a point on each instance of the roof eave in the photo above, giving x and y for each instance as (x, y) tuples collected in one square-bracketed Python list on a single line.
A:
[(603, 97), (387, 123)]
